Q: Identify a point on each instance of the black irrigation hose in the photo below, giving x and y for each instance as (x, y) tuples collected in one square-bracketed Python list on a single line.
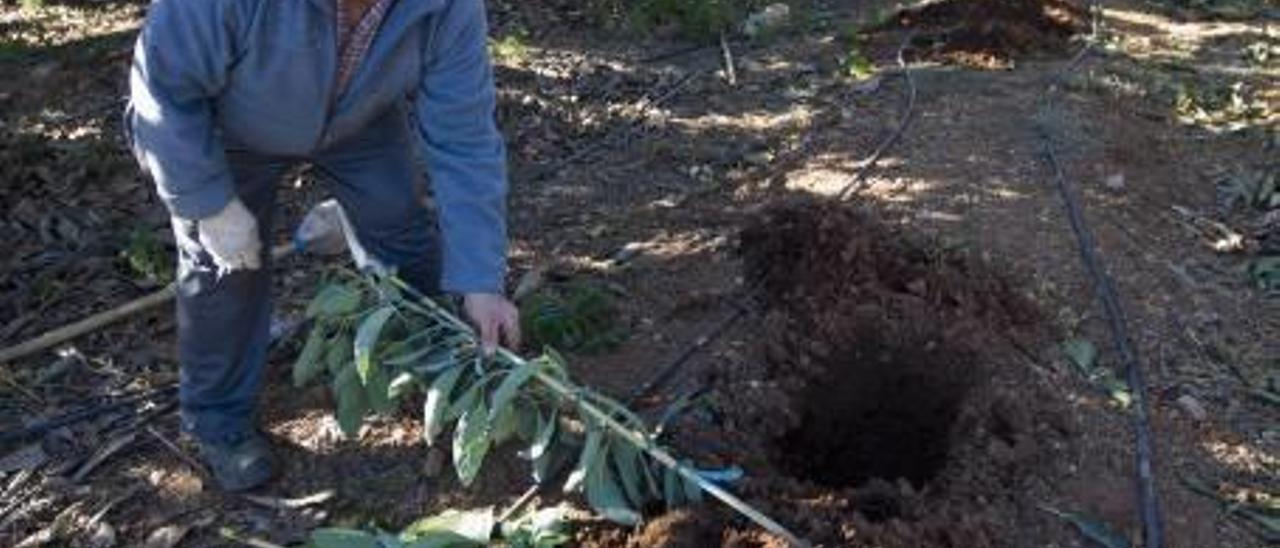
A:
[(664, 375), (856, 183), (1104, 286)]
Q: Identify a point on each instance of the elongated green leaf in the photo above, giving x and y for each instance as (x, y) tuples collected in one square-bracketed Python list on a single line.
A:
[(433, 411), (604, 496), (308, 364), (507, 389), (554, 363), (692, 491), (672, 488), (343, 538), (540, 528), (467, 400), (401, 385), (378, 388), (1082, 353), (367, 337), (473, 527), (587, 458), (413, 356), (503, 426), (546, 432), (1093, 529), (528, 423), (650, 480), (338, 356), (626, 460), (353, 401), (542, 467), (444, 540), (471, 441), (334, 300)]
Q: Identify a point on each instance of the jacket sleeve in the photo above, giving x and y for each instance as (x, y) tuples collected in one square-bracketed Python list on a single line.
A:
[(180, 65), (463, 149)]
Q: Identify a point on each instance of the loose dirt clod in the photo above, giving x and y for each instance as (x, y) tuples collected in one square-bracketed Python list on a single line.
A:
[(992, 33)]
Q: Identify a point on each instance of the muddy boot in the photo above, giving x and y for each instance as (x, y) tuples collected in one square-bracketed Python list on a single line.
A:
[(240, 465)]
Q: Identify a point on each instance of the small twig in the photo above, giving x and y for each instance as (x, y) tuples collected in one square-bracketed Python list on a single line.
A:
[(105, 452), (730, 73), (24, 391), (278, 503), (177, 451), (106, 508), (233, 536), (520, 503)]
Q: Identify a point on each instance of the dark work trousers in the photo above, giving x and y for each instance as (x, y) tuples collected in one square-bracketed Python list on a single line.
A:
[(224, 320)]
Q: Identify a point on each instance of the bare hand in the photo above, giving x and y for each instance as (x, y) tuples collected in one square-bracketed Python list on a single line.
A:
[(495, 318)]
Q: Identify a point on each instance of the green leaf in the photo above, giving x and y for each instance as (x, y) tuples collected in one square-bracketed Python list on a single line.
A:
[(445, 356), (367, 336), (414, 356), (378, 387), (507, 390), (587, 458), (353, 401), (474, 527), (1082, 353), (554, 363), (626, 459), (528, 423), (471, 442), (401, 385), (504, 425), (604, 496), (338, 356), (433, 411), (692, 491), (1093, 529), (672, 488), (308, 364), (467, 400), (540, 528), (1117, 389), (546, 432), (343, 538), (334, 300)]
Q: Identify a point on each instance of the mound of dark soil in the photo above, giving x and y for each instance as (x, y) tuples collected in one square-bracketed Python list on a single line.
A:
[(889, 408), (992, 33)]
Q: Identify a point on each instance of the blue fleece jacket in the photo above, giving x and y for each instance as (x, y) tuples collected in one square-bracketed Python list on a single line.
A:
[(259, 75)]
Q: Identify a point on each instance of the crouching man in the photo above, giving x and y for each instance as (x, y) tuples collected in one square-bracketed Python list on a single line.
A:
[(228, 95)]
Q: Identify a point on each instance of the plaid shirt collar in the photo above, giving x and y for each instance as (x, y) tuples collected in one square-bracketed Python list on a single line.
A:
[(354, 41)]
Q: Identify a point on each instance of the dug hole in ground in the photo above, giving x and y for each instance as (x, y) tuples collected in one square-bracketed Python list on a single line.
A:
[(895, 408)]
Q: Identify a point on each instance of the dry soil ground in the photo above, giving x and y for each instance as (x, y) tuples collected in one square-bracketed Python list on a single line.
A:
[(898, 379)]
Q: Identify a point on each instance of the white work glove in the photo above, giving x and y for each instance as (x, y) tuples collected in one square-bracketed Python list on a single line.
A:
[(231, 237)]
